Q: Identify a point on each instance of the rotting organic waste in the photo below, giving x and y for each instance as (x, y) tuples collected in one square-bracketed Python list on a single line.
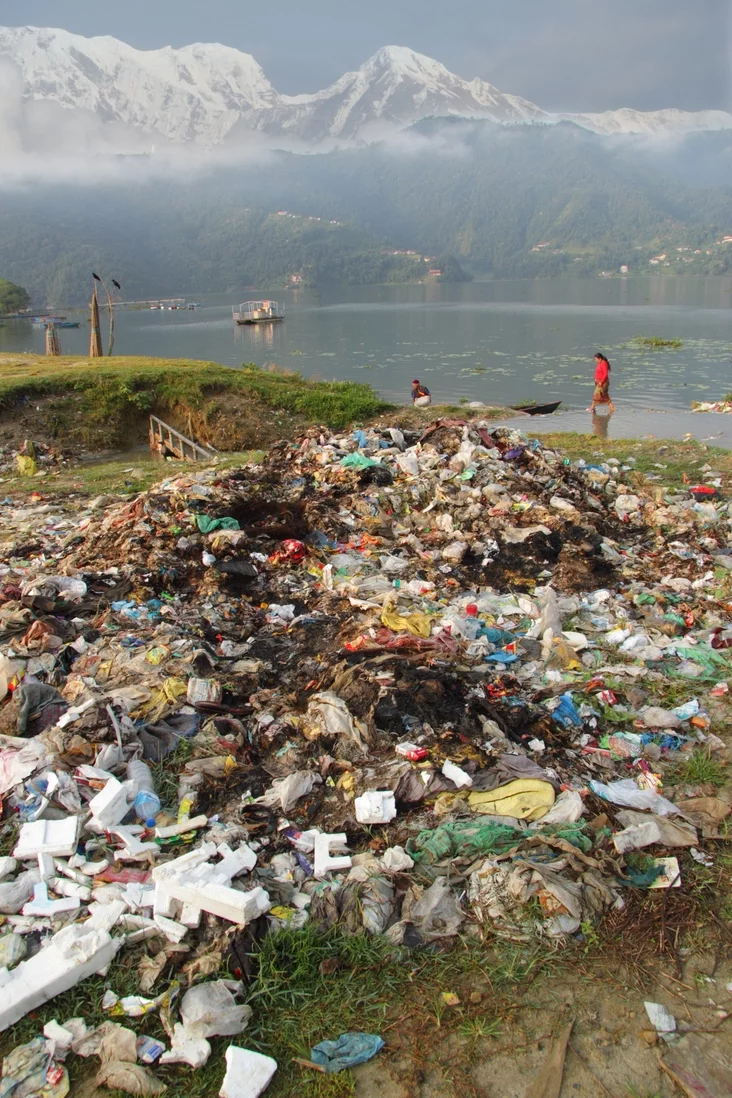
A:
[(408, 687)]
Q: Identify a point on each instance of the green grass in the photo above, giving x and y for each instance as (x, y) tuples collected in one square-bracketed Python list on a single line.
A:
[(312, 986), (703, 769), (136, 473), (110, 390), (668, 460), (110, 384), (655, 343)]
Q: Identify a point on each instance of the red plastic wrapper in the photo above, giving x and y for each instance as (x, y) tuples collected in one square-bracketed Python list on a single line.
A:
[(292, 551)]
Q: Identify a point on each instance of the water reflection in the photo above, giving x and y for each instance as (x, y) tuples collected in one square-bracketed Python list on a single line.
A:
[(601, 424)]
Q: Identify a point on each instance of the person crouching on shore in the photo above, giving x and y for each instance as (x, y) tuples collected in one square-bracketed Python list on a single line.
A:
[(421, 396)]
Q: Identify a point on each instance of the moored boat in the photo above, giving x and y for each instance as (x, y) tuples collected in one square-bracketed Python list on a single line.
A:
[(259, 312)]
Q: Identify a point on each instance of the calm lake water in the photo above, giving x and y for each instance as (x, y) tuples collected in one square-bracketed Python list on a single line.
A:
[(499, 342)]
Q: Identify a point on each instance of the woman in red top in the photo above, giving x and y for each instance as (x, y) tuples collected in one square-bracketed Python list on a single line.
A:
[(601, 394)]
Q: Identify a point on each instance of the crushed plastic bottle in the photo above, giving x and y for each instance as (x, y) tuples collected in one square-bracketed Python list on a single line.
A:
[(145, 799)]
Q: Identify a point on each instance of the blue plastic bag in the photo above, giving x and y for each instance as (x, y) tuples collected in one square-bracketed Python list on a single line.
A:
[(348, 1050)]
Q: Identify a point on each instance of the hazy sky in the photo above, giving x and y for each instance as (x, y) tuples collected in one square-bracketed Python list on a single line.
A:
[(562, 54)]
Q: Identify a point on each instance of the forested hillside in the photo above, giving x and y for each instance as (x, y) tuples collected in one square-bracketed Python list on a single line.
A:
[(496, 201)]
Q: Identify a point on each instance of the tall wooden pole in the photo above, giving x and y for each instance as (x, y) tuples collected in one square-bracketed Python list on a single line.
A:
[(95, 342), (53, 345)]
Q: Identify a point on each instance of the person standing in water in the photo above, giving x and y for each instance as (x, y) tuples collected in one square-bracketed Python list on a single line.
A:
[(420, 394), (601, 394)]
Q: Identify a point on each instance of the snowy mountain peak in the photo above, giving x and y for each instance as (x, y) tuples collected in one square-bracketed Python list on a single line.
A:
[(209, 93)]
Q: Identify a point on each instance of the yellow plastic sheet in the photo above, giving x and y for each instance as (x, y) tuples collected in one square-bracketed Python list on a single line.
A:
[(26, 465), (418, 624), (523, 799)]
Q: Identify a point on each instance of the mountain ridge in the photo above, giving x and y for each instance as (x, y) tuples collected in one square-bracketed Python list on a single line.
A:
[(208, 93)]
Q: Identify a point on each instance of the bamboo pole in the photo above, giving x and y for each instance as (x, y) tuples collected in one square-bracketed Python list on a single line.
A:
[(95, 341), (53, 344)]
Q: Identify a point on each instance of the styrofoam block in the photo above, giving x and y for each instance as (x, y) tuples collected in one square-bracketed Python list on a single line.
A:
[(248, 1074), (46, 866), (174, 932), (186, 1048), (105, 916), (134, 848), (70, 957), (111, 804), (190, 916), (220, 900), (375, 806), (55, 837), (60, 1036), (42, 906), (69, 888), (185, 863), (325, 862), (234, 862), (183, 828)]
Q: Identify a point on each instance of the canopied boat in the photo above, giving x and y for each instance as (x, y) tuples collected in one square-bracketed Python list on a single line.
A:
[(259, 312)]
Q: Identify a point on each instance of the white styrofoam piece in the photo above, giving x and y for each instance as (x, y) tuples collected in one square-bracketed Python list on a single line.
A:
[(111, 804), (174, 932), (186, 1048), (234, 862), (375, 806), (172, 830), (69, 888), (41, 904), (248, 1074), (105, 916), (60, 1036), (72, 955), (46, 866), (190, 916), (220, 900), (134, 848), (325, 861), (55, 837)]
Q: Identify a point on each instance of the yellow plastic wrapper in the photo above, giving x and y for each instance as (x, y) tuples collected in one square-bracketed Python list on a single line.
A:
[(157, 655), (26, 465), (417, 624), (523, 799)]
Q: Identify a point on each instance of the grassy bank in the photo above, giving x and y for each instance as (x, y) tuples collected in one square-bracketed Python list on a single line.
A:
[(104, 403), (101, 405), (668, 462)]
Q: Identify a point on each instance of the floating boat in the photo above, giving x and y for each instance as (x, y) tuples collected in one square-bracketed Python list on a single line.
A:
[(259, 312), (56, 322), (536, 409)]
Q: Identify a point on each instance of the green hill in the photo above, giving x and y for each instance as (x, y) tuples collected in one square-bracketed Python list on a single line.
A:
[(495, 201)]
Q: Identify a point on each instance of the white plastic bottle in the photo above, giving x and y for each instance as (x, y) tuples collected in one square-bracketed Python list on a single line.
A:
[(146, 800)]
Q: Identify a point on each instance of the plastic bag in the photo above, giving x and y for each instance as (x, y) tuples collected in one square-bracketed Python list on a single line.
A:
[(436, 914), (209, 1010), (522, 799), (417, 624), (627, 794), (347, 1051)]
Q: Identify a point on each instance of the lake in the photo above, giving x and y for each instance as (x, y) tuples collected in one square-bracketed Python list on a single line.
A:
[(499, 342)]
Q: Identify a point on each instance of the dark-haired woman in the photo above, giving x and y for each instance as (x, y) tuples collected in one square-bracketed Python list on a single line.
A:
[(601, 394)]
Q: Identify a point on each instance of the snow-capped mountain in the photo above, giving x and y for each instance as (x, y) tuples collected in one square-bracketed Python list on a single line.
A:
[(627, 120), (192, 94), (207, 93), (393, 88)]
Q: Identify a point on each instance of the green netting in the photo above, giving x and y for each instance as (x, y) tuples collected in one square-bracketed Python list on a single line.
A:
[(468, 838)]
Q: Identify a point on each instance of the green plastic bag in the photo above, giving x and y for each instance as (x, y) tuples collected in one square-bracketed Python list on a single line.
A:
[(357, 460), (206, 524)]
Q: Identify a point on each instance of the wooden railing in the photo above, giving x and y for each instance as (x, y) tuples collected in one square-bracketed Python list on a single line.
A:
[(164, 438)]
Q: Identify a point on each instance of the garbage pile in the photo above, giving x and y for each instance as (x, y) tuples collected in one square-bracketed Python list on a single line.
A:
[(406, 685)]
